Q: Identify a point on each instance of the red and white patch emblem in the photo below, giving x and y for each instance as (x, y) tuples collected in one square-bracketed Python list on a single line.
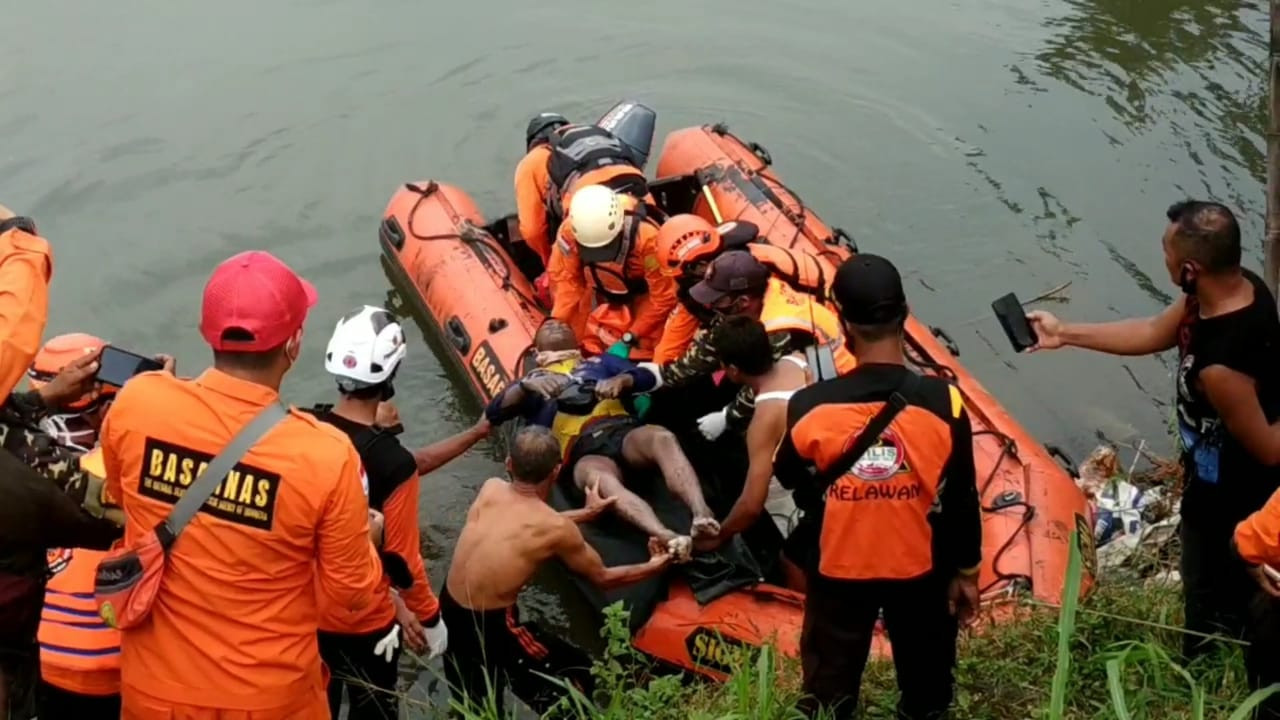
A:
[(58, 559), (349, 362), (882, 460)]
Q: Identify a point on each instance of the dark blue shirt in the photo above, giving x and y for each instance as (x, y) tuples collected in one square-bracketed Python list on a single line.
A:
[(540, 411)]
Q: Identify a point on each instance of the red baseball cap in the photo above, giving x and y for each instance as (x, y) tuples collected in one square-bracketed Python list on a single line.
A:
[(257, 295)]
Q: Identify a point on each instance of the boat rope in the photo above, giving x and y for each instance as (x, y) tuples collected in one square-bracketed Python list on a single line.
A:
[(474, 236)]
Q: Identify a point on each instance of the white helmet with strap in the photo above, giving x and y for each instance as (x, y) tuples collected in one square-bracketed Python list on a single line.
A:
[(366, 348), (595, 216)]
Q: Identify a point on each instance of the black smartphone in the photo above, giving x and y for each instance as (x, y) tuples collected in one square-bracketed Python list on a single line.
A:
[(1013, 318), (116, 366)]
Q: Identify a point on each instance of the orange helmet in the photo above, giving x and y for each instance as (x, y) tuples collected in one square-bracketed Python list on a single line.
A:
[(685, 239), (56, 354)]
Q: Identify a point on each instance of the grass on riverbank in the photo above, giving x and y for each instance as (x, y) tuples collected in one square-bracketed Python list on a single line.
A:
[(1115, 654), (1121, 651)]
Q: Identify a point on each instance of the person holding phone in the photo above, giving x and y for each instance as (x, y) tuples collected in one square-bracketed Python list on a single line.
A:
[(881, 463), (1227, 394), (233, 627)]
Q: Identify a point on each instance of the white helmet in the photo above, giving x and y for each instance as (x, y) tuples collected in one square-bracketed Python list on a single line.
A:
[(595, 216), (366, 348)]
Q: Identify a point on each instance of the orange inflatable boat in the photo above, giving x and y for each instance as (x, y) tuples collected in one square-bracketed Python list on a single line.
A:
[(468, 284)]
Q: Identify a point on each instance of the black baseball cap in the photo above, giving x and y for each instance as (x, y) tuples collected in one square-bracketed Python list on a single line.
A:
[(868, 291), (733, 272)]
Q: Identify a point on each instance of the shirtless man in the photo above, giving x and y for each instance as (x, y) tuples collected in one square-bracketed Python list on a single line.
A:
[(510, 531), (578, 399), (745, 350)]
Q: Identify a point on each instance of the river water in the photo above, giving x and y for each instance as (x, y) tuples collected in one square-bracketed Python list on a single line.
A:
[(985, 146)]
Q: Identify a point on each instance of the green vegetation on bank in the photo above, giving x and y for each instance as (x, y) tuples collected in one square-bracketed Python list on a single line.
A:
[(1123, 651), (1114, 655)]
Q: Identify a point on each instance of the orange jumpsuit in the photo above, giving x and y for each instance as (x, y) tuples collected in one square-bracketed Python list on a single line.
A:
[(26, 265), (799, 269), (232, 633), (532, 185), (644, 314)]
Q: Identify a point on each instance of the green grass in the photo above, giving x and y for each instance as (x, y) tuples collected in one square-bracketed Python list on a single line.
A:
[(1112, 655)]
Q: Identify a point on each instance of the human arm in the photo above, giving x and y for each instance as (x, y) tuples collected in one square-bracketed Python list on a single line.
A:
[(531, 206), (626, 377), (441, 452), (595, 504), (1135, 336), (522, 398), (1234, 395), (763, 436), (568, 287), (1257, 542), (959, 525), (403, 538), (347, 564), (677, 332), (582, 559), (662, 297)]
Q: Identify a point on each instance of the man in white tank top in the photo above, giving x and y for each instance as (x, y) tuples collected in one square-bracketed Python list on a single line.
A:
[(744, 348)]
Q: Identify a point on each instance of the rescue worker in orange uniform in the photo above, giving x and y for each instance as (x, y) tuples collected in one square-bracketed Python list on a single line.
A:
[(79, 653), (35, 511), (688, 243), (362, 650), (26, 266), (232, 632), (1257, 543), (895, 530), (606, 248), (736, 283), (538, 221)]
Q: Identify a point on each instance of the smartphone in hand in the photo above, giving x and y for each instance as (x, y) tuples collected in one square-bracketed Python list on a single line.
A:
[(1013, 318), (116, 366)]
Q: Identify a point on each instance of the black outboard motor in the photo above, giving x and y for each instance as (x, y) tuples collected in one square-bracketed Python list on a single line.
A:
[(633, 123)]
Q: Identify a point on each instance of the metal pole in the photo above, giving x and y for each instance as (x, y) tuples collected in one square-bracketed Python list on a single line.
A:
[(1272, 243)]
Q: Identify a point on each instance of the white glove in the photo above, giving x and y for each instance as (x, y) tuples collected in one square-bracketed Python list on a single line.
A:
[(437, 639), (388, 645), (712, 426)]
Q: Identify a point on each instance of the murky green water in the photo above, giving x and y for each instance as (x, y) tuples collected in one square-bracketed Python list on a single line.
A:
[(985, 146)]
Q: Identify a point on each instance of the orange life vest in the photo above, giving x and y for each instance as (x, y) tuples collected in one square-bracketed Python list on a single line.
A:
[(579, 151), (786, 308), (78, 651), (799, 269)]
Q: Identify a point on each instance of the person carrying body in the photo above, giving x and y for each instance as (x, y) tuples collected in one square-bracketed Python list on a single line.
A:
[(510, 531), (232, 631), (36, 514), (896, 530), (687, 243), (605, 255), (362, 649), (79, 653), (578, 399), (747, 354), (736, 283), (1227, 397)]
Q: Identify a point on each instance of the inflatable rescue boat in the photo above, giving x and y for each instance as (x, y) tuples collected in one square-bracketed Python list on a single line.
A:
[(468, 283)]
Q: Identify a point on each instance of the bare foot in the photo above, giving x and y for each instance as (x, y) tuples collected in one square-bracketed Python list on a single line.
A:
[(680, 548), (704, 527)]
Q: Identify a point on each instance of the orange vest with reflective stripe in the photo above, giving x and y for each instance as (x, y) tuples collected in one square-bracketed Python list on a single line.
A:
[(786, 308), (78, 651)]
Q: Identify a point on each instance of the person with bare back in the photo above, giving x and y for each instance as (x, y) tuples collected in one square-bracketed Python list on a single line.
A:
[(579, 399), (510, 531)]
